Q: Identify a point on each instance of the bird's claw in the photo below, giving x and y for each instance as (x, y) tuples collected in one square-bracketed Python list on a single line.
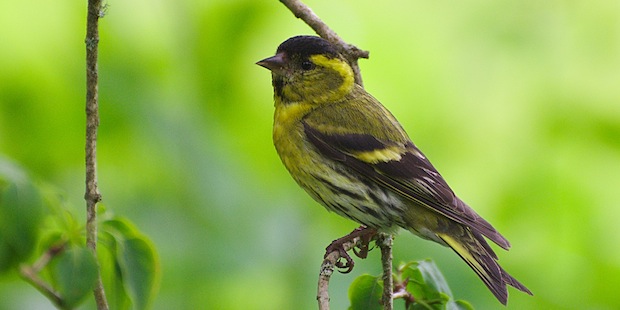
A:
[(365, 234), (337, 246)]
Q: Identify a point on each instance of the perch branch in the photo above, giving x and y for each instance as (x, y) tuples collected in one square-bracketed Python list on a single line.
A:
[(349, 51), (92, 195), (385, 244), (359, 238), (326, 271)]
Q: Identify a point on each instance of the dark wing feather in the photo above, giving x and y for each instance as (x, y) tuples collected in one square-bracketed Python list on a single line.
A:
[(412, 176)]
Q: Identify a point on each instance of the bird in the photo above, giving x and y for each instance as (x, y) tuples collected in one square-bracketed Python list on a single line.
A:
[(351, 155)]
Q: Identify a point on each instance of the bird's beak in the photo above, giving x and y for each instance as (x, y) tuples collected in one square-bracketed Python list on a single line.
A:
[(273, 63)]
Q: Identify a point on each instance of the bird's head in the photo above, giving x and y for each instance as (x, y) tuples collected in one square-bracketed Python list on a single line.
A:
[(309, 69)]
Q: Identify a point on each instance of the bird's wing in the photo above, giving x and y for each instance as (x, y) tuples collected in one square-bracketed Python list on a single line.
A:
[(399, 166)]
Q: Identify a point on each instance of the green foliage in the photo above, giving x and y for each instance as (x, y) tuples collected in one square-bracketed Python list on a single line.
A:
[(74, 272), (135, 262), (21, 213), (421, 283), (33, 219), (365, 293)]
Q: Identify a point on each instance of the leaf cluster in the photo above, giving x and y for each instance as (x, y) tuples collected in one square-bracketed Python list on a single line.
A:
[(420, 284), (43, 241)]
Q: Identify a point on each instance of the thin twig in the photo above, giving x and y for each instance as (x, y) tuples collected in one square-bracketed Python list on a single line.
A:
[(401, 294), (359, 238), (30, 274), (350, 52), (92, 195), (326, 271), (385, 243), (400, 289)]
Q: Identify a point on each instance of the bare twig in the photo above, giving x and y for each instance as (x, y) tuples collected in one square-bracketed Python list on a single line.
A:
[(337, 250), (30, 274), (385, 243), (92, 195), (401, 294), (350, 52), (327, 269)]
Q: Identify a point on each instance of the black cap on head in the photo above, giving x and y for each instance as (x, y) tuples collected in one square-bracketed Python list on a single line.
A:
[(306, 46)]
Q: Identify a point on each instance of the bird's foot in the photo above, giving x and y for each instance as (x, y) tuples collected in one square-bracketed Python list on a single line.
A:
[(365, 235)]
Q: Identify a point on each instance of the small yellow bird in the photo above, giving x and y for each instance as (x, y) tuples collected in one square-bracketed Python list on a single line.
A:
[(350, 154)]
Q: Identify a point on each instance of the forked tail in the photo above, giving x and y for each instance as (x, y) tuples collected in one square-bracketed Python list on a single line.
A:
[(477, 253)]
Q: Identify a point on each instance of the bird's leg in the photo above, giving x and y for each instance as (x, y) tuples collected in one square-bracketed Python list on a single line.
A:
[(365, 235)]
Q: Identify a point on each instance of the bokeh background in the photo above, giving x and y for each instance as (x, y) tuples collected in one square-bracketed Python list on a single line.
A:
[(517, 103)]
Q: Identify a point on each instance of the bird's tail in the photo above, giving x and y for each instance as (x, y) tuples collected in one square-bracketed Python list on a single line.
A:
[(473, 249)]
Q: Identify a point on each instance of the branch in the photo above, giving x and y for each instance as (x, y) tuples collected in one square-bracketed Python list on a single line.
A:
[(30, 274), (385, 243), (326, 271), (92, 195), (349, 51), (359, 238)]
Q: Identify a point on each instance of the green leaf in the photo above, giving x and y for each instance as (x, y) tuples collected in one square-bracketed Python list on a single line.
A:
[(111, 273), (121, 227), (136, 262), (433, 277), (416, 284), (21, 214), (365, 293), (436, 280), (75, 273), (7, 258), (463, 305), (429, 287), (140, 268)]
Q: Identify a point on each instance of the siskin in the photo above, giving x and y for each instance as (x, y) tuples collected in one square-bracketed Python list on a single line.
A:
[(350, 154)]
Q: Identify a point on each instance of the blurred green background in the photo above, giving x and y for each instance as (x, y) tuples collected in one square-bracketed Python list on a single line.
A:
[(517, 103)]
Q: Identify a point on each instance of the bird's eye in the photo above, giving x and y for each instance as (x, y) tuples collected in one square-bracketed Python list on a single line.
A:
[(307, 65)]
